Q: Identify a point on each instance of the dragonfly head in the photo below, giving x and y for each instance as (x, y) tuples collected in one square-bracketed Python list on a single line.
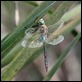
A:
[(37, 25), (42, 21)]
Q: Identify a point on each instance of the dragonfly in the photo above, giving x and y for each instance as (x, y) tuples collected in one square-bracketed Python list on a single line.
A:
[(40, 35)]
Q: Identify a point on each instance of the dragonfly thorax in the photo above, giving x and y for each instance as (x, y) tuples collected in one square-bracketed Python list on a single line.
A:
[(43, 29)]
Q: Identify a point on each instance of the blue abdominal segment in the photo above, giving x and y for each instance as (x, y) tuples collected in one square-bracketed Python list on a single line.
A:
[(43, 38)]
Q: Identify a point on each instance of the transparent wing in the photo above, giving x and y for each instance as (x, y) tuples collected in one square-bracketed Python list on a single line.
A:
[(55, 27), (56, 41), (35, 43), (28, 34), (25, 41), (32, 40)]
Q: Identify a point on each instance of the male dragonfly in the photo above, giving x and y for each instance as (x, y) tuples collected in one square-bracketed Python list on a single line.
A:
[(40, 34)]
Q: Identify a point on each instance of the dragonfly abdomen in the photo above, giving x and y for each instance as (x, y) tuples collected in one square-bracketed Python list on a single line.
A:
[(45, 57)]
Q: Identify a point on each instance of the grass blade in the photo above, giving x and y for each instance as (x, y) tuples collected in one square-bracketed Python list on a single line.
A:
[(59, 12), (11, 55), (33, 3), (72, 13)]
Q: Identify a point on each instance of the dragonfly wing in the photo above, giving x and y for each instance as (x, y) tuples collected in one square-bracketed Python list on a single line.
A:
[(32, 42), (25, 41), (56, 41), (32, 38), (36, 40), (55, 27), (29, 32), (28, 35), (35, 44)]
